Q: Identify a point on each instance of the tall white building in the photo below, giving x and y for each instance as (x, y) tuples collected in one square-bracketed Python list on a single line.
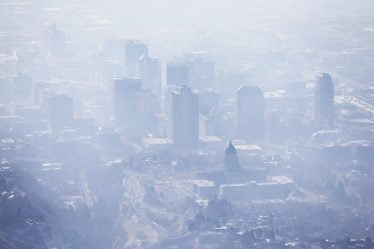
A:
[(54, 41), (201, 70), (61, 111), (126, 101), (324, 100), (183, 117), (177, 74), (194, 69), (133, 51), (250, 111), (151, 73)]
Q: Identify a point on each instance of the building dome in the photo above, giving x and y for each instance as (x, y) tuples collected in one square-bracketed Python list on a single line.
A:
[(231, 161), (230, 149)]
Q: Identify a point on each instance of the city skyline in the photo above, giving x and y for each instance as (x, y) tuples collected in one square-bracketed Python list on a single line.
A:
[(170, 124)]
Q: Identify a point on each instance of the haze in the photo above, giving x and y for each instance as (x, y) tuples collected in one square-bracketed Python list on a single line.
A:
[(191, 124)]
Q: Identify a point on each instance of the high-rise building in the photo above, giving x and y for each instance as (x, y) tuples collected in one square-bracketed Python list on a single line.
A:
[(112, 50), (193, 69), (150, 102), (177, 74), (250, 109), (201, 70), (54, 41), (61, 111), (133, 50), (324, 100), (231, 161), (183, 117), (126, 101), (208, 101), (151, 73)]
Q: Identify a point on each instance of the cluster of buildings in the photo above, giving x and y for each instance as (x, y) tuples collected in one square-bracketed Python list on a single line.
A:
[(117, 133), (195, 113)]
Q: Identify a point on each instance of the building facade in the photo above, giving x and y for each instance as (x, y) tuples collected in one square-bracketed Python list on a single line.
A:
[(250, 111), (150, 70), (133, 51), (61, 111), (177, 74), (126, 101), (183, 117), (324, 100)]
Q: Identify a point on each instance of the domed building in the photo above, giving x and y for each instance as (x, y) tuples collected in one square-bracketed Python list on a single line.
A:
[(231, 161)]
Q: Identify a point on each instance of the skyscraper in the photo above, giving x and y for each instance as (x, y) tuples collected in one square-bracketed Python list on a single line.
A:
[(133, 50), (250, 112), (201, 70), (150, 72), (54, 41), (126, 101), (61, 111), (112, 50), (183, 117), (177, 74), (324, 100), (193, 69)]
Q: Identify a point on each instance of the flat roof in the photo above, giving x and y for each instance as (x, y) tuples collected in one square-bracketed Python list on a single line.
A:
[(157, 141)]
